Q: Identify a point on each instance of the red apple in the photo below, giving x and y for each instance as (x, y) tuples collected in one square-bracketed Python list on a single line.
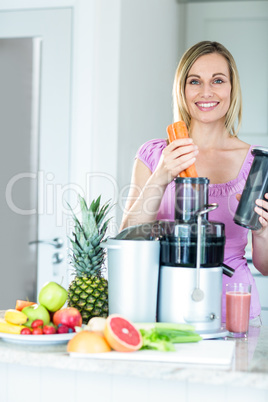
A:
[(69, 316)]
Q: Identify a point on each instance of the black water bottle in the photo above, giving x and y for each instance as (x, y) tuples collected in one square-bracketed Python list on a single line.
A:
[(255, 188)]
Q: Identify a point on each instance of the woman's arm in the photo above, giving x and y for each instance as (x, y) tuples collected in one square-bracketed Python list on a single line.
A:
[(260, 238), (144, 197), (147, 188)]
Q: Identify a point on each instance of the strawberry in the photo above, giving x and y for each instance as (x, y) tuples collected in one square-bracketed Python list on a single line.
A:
[(37, 323), (26, 331), (49, 330), (37, 331)]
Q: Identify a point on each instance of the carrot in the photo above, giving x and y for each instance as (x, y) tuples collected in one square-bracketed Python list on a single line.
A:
[(171, 134), (179, 130)]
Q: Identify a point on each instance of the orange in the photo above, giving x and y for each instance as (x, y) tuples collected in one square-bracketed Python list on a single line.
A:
[(121, 334), (88, 342)]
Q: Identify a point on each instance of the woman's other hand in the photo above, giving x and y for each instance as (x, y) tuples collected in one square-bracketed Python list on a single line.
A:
[(238, 197), (262, 210), (176, 157), (260, 237)]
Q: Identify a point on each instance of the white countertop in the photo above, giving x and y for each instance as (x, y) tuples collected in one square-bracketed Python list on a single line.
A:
[(249, 366)]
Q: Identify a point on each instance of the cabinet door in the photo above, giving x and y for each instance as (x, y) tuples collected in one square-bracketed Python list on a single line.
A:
[(243, 28), (54, 30)]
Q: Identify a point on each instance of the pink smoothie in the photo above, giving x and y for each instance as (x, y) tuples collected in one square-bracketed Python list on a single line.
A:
[(237, 311)]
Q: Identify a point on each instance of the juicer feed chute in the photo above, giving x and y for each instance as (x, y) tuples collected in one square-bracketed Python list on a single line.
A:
[(191, 195)]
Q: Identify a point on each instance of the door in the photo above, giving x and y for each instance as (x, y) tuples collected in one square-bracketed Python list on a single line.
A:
[(19, 82), (49, 117)]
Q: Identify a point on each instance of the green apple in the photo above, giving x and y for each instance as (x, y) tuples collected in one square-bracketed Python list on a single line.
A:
[(52, 296), (36, 312)]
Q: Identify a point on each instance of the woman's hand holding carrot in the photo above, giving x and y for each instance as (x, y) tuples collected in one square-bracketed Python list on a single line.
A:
[(176, 131), (148, 187), (179, 155)]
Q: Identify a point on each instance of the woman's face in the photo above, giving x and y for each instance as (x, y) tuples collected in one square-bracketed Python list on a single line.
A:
[(208, 88)]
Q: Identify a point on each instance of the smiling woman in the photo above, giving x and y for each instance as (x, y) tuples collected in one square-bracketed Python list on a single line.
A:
[(207, 97)]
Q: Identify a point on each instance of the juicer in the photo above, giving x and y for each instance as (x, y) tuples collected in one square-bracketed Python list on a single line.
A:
[(171, 271), (191, 261)]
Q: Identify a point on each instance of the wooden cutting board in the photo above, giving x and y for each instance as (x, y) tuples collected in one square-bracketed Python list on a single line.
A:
[(205, 352)]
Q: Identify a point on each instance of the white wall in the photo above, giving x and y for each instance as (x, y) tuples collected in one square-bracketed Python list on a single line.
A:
[(150, 44), (243, 29)]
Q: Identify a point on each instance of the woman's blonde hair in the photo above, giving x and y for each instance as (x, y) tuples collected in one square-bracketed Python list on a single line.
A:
[(180, 111)]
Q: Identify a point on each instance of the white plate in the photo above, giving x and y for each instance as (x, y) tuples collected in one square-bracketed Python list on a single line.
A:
[(37, 339), (211, 352)]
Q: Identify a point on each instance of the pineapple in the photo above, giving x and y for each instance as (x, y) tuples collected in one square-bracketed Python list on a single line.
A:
[(88, 291)]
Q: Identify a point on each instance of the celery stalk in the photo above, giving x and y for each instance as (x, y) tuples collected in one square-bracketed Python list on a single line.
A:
[(162, 337), (164, 325)]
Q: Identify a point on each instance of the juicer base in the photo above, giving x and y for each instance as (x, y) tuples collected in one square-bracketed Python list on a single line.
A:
[(220, 333)]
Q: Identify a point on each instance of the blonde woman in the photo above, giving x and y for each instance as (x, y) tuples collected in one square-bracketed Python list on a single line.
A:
[(207, 96)]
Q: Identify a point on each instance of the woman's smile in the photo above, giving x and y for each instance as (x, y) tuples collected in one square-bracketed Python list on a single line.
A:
[(206, 106)]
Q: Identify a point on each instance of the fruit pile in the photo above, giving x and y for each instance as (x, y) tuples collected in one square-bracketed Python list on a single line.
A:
[(44, 318), (102, 335)]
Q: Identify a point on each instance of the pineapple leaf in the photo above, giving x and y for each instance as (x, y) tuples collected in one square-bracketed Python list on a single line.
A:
[(87, 256), (105, 209), (88, 220)]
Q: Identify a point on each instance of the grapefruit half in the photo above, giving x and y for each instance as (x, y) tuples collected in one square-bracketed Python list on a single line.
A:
[(121, 334)]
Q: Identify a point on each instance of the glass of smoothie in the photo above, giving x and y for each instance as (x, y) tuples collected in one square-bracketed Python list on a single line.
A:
[(237, 308)]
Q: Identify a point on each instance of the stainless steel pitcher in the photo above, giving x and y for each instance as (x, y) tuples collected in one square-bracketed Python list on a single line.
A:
[(133, 271)]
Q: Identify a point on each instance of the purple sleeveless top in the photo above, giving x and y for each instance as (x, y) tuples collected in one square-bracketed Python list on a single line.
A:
[(224, 195)]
